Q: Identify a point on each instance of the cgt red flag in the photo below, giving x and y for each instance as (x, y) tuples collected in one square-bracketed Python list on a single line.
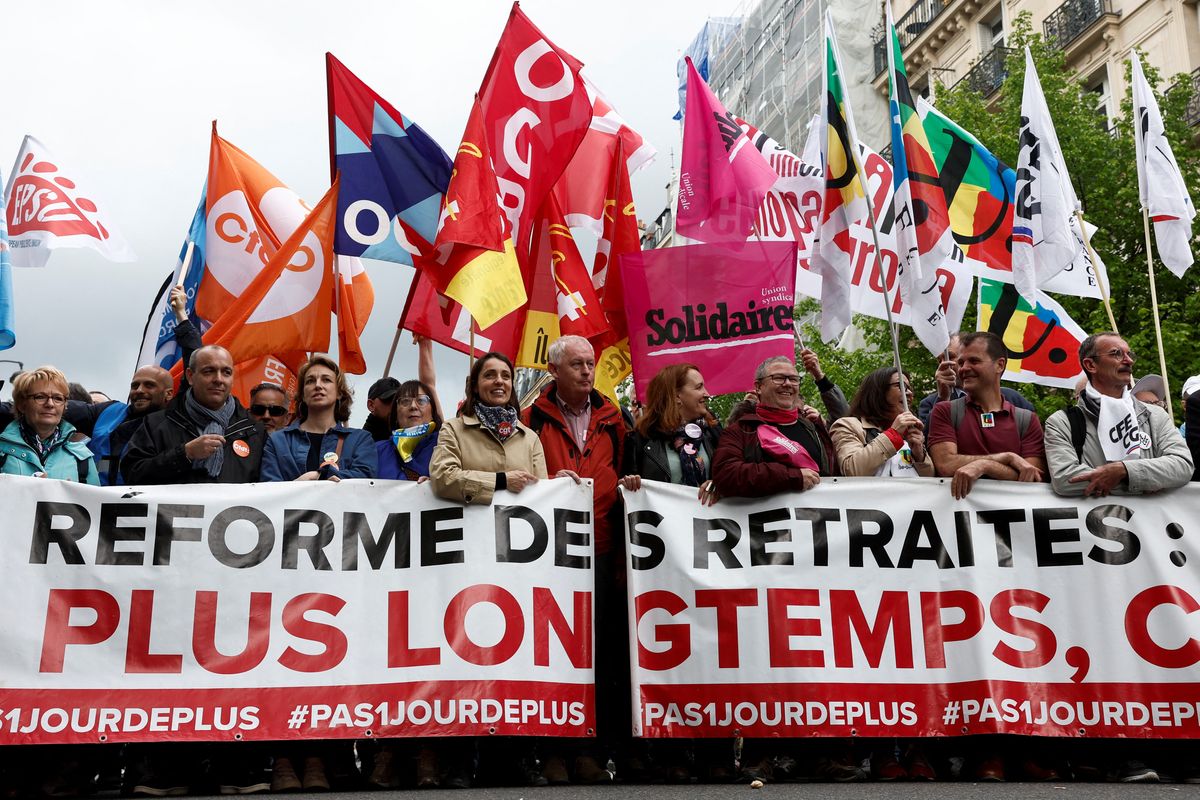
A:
[(535, 112)]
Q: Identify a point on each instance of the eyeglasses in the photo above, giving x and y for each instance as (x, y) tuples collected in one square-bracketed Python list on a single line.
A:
[(260, 410), (41, 398), (420, 401), (1118, 354), (784, 380)]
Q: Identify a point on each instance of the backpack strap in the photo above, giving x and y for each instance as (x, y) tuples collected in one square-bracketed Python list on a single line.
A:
[(958, 408), (1024, 419), (1078, 430)]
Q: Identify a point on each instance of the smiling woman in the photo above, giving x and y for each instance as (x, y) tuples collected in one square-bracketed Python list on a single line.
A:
[(38, 442), (486, 448)]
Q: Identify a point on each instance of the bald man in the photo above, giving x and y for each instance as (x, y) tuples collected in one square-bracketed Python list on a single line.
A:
[(150, 390)]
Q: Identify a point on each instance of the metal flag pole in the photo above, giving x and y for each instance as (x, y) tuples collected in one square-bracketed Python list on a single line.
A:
[(1162, 359), (1087, 242)]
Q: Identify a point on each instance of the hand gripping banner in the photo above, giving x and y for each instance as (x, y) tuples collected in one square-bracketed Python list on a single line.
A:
[(861, 609), (293, 611)]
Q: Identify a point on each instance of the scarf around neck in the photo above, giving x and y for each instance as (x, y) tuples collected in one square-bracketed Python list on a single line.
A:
[(210, 421), (1121, 438), (407, 440), (500, 420), (777, 416)]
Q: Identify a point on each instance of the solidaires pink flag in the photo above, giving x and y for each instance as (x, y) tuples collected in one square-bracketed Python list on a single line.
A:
[(723, 176), (723, 307)]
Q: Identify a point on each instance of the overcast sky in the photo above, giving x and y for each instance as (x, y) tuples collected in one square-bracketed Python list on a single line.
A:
[(124, 91)]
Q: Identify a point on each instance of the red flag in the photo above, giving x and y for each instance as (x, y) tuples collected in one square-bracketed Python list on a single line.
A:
[(536, 112), (619, 238), (474, 262)]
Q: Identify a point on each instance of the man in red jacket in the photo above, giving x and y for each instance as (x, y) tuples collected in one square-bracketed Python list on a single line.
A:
[(582, 434)]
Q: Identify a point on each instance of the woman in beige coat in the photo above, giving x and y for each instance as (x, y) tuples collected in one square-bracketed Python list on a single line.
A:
[(486, 448), (881, 436)]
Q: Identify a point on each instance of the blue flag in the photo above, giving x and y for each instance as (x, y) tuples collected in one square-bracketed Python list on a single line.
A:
[(393, 175), (158, 339)]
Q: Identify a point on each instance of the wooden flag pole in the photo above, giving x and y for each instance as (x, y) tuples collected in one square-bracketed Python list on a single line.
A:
[(1087, 242), (387, 368), (1162, 358), (187, 264)]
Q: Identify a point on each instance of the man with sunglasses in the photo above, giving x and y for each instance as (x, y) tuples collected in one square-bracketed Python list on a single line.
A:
[(269, 404), (1110, 442)]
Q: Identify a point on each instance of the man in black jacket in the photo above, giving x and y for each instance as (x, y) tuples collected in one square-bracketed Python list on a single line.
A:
[(203, 436)]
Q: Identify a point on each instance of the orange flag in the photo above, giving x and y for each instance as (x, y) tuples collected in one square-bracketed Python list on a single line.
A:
[(251, 325)]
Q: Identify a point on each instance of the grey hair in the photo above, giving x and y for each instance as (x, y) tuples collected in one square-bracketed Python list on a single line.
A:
[(1090, 346), (558, 349), (761, 372), (194, 359)]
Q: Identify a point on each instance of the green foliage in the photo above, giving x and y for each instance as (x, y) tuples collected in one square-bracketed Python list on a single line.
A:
[(1103, 170)]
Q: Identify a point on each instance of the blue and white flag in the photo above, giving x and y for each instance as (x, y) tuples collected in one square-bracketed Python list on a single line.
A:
[(158, 339), (8, 336)]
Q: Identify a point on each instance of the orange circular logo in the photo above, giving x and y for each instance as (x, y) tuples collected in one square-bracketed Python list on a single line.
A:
[(241, 448)]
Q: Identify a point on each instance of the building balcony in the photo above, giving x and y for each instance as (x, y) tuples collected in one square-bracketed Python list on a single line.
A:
[(1068, 23), (988, 73), (912, 24), (1192, 115)]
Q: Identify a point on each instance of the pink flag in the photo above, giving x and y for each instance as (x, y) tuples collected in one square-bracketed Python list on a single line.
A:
[(723, 177), (723, 307)]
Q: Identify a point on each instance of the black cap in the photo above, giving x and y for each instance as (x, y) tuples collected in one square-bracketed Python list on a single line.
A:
[(383, 389)]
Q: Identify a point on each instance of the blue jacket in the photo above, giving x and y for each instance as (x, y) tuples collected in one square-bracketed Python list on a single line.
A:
[(286, 455), (390, 467), (62, 463)]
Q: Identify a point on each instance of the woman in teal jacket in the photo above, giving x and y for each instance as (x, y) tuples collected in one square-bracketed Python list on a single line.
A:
[(38, 442)]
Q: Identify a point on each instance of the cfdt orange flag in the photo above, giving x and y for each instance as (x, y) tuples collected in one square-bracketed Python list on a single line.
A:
[(355, 299), (251, 326), (474, 260)]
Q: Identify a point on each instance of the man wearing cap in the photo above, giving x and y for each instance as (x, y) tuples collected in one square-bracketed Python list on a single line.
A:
[(380, 399), (1152, 390), (1110, 442)]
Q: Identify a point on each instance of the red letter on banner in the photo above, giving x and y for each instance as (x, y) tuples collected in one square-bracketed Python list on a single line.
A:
[(258, 635), (456, 625), (781, 628), (328, 635), (138, 658), (1138, 633), (937, 633), (399, 652), (675, 634), (547, 614), (1044, 643), (726, 602), (59, 631), (846, 613)]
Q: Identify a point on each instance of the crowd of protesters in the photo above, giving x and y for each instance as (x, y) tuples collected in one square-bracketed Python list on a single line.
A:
[(1116, 439)]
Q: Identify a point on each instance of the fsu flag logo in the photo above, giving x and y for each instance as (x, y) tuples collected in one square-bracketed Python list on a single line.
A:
[(48, 210)]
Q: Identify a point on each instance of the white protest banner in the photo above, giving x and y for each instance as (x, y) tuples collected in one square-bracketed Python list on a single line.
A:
[(293, 610), (867, 608)]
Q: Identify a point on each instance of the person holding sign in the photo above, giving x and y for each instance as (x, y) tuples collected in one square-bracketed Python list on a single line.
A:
[(676, 435), (415, 420), (771, 447), (318, 445), (881, 437), (1110, 442), (39, 443)]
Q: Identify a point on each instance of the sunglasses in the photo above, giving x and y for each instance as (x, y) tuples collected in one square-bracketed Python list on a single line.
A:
[(260, 410)]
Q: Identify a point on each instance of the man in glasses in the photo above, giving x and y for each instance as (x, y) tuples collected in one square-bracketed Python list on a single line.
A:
[(1111, 442), (269, 404), (772, 447)]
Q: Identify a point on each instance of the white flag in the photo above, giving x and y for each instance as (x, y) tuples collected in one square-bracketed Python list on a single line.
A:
[(48, 209), (1160, 183), (1043, 243)]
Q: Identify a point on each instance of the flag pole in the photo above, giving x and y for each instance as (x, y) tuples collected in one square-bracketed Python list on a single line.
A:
[(1162, 359), (387, 368), (187, 263), (883, 282), (1087, 243)]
